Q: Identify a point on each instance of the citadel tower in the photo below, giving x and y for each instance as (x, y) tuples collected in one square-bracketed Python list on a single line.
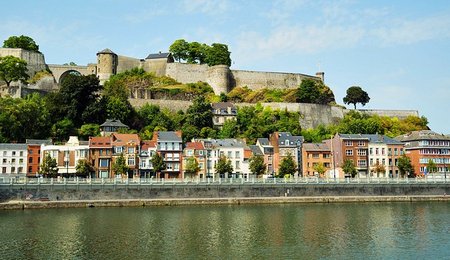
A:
[(106, 64)]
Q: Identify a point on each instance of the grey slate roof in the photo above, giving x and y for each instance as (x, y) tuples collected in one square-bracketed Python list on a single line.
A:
[(377, 138), (354, 136), (223, 105), (106, 51), (113, 123), (160, 55), (230, 142), (316, 147), (168, 136), (421, 135), (263, 141), (7, 146), (293, 140), (256, 150), (38, 142)]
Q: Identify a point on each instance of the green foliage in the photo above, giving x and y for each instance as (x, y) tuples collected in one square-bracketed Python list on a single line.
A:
[(40, 75), (89, 130), (84, 168), (62, 129), (314, 91), (119, 166), (356, 95), (21, 119), (431, 166), (218, 54), (223, 166), (158, 163), (200, 53), (349, 168), (287, 167), (208, 132), (257, 165), (379, 169), (405, 167), (319, 168), (229, 129), (48, 167), (117, 108), (199, 114), (22, 41), (13, 69), (192, 167)]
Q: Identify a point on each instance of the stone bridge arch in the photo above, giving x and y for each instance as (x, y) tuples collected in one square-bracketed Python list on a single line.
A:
[(60, 71)]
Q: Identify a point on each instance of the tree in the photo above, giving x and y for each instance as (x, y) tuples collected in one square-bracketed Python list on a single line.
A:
[(405, 167), (320, 169), (179, 49), (119, 166), (84, 168), (229, 129), (199, 114), (13, 69), (62, 129), (117, 108), (218, 54), (287, 166), (379, 168), (88, 130), (192, 168), (49, 167), (158, 164), (22, 41), (431, 166), (257, 165), (307, 92), (349, 168), (223, 166), (356, 95)]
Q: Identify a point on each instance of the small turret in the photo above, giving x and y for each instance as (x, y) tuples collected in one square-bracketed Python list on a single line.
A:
[(321, 75), (106, 64)]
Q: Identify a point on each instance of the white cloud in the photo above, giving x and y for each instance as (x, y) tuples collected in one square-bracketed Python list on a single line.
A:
[(411, 31), (209, 7)]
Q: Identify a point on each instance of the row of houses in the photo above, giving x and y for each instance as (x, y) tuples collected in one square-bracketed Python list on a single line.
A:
[(365, 151)]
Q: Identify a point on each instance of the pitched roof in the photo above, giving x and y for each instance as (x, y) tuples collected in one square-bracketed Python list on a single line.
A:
[(292, 139), (256, 150), (353, 136), (316, 147), (106, 51), (422, 135), (8, 146), (195, 145), (100, 142), (160, 55), (146, 144), (122, 139), (263, 141), (222, 105), (169, 136), (38, 141), (377, 138), (113, 123)]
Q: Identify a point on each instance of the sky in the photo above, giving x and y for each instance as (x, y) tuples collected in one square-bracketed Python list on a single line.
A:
[(397, 51)]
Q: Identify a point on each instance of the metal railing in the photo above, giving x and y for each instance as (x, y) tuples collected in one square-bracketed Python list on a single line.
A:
[(220, 181)]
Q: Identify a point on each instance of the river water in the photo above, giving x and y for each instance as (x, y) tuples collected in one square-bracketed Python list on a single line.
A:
[(286, 231)]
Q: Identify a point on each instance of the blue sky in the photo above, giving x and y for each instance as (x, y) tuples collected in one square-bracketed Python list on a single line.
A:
[(398, 51)]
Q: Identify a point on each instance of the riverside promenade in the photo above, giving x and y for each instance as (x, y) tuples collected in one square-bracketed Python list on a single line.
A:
[(62, 193)]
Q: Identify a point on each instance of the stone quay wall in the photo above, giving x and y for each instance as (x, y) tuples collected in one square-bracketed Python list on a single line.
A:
[(73, 192)]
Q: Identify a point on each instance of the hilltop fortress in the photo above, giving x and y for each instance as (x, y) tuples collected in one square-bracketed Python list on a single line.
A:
[(220, 77)]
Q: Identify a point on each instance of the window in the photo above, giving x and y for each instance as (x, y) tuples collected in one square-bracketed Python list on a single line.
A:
[(4, 160), (103, 174), (326, 155), (176, 166), (21, 160), (30, 169), (361, 143), (200, 152), (230, 154), (13, 160), (131, 161), (315, 155), (20, 170), (130, 150), (21, 153), (395, 151), (362, 163), (5, 153), (201, 165), (362, 152), (169, 146), (118, 149), (238, 154), (13, 153), (348, 143), (371, 161), (189, 152), (382, 151), (30, 151), (349, 152), (13, 169), (238, 165), (100, 151), (3, 169), (383, 161), (377, 151), (104, 162)]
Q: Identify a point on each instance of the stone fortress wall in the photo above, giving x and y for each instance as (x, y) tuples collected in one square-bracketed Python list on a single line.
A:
[(220, 77)]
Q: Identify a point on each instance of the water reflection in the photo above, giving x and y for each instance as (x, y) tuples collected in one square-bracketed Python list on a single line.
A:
[(327, 231)]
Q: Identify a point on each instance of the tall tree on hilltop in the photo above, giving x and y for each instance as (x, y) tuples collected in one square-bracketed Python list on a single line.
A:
[(179, 49), (13, 69), (356, 95), (22, 41), (218, 54)]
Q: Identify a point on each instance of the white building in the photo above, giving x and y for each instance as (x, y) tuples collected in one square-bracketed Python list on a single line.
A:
[(67, 155), (13, 160)]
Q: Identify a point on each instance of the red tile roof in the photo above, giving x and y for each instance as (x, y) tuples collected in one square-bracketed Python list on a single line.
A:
[(100, 141), (146, 144), (195, 145), (123, 139)]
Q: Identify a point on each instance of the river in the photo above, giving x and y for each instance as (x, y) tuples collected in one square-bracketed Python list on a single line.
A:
[(278, 231)]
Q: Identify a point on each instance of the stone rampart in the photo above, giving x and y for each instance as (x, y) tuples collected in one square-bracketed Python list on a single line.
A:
[(127, 63), (187, 73), (35, 60), (273, 80)]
